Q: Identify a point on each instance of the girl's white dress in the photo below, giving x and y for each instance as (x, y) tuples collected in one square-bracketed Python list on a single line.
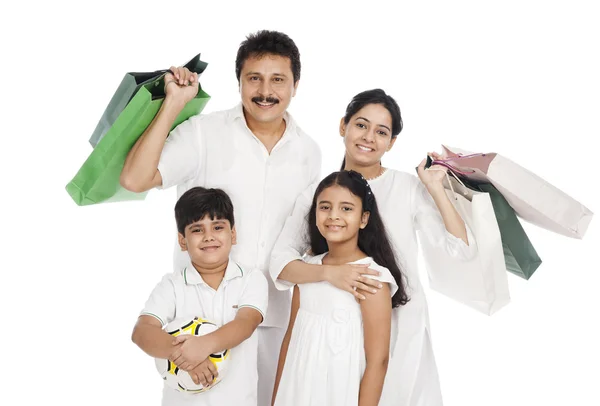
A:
[(326, 359)]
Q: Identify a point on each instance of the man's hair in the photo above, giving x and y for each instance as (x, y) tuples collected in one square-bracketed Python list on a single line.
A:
[(267, 42)]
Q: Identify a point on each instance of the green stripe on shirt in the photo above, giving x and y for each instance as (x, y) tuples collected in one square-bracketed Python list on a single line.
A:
[(253, 307), (162, 323)]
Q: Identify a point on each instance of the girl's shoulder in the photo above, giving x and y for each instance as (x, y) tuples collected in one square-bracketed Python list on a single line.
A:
[(374, 265), (384, 274)]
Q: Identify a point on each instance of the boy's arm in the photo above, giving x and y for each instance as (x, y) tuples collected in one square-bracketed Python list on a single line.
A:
[(154, 341), (151, 338), (286, 340), (195, 349), (252, 309), (159, 309), (235, 332), (377, 321)]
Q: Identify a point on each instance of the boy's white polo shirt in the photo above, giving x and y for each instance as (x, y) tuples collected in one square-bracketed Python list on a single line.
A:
[(184, 294)]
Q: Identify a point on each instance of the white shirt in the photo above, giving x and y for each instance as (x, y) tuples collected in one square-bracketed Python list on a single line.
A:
[(406, 208), (218, 150), (184, 294)]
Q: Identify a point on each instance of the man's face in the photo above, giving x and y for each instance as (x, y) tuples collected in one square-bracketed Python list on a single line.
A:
[(267, 87)]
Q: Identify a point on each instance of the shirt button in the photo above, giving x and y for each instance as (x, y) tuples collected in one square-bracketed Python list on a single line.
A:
[(262, 244)]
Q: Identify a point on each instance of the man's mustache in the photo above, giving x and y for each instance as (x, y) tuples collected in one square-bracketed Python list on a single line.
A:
[(259, 99)]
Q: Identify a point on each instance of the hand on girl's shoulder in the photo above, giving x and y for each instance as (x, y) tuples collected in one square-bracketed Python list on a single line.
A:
[(384, 276)]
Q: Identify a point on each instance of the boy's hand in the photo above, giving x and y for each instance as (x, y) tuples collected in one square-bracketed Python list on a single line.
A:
[(191, 353), (204, 374)]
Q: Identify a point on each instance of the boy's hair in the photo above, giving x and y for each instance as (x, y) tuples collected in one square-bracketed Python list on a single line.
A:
[(198, 202), (267, 42), (372, 240)]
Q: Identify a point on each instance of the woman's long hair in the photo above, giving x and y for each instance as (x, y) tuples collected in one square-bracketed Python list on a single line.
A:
[(372, 240)]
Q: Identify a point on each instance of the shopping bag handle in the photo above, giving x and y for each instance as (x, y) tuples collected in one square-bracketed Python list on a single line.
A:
[(452, 168), (442, 162), (461, 156)]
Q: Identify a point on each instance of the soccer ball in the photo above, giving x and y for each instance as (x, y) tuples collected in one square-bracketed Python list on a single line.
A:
[(181, 380)]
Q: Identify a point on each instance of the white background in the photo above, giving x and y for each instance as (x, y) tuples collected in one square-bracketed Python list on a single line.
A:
[(516, 77)]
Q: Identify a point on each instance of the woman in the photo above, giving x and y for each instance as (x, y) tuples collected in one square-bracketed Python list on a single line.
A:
[(408, 204)]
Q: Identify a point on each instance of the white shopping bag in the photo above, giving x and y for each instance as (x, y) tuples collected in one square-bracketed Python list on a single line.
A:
[(532, 198), (481, 282)]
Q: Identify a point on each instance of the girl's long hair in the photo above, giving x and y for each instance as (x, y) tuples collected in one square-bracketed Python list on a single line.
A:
[(372, 240)]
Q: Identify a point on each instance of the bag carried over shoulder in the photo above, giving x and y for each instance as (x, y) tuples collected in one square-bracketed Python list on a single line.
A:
[(532, 198), (97, 181)]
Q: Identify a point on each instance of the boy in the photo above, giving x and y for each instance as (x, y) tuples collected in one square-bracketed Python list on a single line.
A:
[(214, 287)]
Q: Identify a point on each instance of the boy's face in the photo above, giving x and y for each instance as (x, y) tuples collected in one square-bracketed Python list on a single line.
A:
[(208, 242), (267, 87)]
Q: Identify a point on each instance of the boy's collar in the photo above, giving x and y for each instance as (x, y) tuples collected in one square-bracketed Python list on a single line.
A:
[(192, 277)]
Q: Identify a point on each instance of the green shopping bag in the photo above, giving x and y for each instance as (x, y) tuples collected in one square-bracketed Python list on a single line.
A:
[(98, 179), (520, 256), (131, 83)]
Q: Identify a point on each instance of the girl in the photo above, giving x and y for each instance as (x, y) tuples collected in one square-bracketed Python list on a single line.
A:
[(409, 205), (336, 349)]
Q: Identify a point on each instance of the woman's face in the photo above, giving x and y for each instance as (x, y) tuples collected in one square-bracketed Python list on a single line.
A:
[(368, 135)]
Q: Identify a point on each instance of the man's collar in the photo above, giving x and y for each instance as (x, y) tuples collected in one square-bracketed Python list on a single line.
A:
[(238, 113)]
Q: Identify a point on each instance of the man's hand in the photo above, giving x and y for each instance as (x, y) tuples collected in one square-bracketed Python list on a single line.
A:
[(350, 277), (182, 85)]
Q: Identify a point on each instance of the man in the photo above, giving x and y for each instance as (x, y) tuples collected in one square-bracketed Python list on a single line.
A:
[(255, 152)]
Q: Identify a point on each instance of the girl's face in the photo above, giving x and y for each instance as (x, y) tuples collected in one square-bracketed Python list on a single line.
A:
[(339, 214), (368, 135)]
